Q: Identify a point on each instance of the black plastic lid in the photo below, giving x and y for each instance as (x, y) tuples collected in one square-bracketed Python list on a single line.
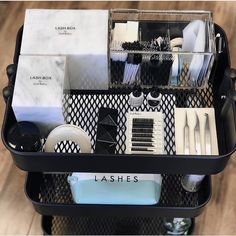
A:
[(24, 136), (155, 93)]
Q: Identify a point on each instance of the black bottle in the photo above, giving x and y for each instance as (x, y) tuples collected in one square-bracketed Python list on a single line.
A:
[(136, 97), (154, 98)]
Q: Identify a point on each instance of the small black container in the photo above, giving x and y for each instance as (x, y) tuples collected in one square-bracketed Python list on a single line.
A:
[(24, 136)]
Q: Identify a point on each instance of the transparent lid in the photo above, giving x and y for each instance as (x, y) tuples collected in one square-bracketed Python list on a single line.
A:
[(169, 25)]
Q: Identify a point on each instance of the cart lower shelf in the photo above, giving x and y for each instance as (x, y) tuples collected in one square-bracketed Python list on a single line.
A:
[(51, 195), (58, 225)]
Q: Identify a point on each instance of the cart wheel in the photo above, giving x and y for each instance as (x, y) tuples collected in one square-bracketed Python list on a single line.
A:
[(178, 226)]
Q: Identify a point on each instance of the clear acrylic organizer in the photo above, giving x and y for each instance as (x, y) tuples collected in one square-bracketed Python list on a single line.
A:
[(161, 63)]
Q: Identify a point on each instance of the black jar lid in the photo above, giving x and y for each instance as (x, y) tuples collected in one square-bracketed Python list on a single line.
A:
[(137, 91), (155, 93), (24, 136)]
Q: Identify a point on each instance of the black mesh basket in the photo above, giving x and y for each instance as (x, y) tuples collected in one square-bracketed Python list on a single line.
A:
[(58, 225), (82, 108), (51, 195)]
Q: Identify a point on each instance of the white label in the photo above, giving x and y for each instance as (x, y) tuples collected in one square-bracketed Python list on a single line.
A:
[(65, 30)]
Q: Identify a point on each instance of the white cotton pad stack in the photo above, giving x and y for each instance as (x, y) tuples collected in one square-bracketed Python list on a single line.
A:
[(123, 32), (131, 31)]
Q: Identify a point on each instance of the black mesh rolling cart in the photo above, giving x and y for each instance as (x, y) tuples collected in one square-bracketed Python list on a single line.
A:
[(46, 184)]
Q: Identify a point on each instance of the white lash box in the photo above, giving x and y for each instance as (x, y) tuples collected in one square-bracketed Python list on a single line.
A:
[(38, 91), (81, 35)]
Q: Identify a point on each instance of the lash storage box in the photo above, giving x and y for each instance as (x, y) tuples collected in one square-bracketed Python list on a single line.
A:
[(81, 35), (38, 92), (172, 49)]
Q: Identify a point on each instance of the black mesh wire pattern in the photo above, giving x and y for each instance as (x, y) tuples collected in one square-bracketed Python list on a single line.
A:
[(107, 225), (55, 189), (82, 110)]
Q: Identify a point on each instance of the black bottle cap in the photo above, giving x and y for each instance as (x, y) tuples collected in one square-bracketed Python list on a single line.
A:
[(155, 93), (24, 136), (137, 93)]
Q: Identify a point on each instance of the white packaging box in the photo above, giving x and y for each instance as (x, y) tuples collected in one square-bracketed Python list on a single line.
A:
[(82, 35), (38, 91)]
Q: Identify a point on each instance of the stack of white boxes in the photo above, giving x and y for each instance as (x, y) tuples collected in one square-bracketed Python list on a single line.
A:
[(61, 49)]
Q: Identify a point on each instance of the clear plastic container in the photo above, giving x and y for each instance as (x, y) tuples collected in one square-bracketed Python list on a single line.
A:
[(173, 49)]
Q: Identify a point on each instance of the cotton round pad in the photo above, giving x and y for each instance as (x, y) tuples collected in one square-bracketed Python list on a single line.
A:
[(70, 133)]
